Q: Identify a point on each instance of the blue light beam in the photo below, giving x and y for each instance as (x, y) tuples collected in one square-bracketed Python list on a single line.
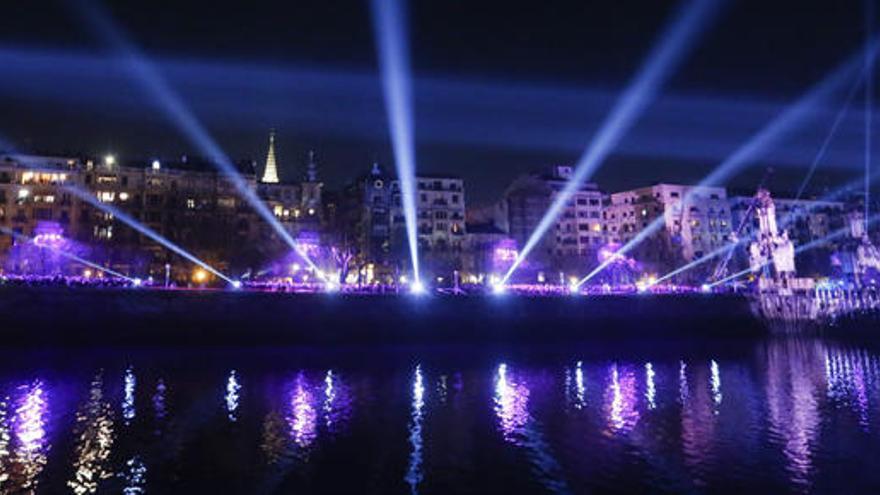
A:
[(392, 46), (70, 256), (869, 103), (151, 81), (832, 131), (770, 135), (675, 42), (143, 229)]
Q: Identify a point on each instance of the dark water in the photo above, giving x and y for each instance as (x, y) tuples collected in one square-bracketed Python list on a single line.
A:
[(771, 416)]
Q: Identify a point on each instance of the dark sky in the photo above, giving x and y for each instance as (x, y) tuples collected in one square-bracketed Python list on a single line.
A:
[(500, 87)]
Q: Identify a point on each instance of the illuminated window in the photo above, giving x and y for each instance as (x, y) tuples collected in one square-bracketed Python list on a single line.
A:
[(27, 177), (106, 196), (191, 203), (278, 210)]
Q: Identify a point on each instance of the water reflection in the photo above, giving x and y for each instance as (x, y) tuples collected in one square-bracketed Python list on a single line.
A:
[(650, 388), (511, 404), (794, 385), (231, 396), (135, 476), (783, 414), (95, 436), (129, 383), (414, 470), (303, 417), (518, 427), (337, 402), (716, 385), (29, 439), (621, 402)]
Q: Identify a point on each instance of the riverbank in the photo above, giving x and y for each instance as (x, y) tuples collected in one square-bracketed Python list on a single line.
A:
[(153, 317)]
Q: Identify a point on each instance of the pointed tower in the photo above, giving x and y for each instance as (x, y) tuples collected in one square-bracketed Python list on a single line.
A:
[(270, 173), (311, 187), (312, 168)]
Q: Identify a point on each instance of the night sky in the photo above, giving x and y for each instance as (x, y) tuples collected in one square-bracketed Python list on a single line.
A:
[(500, 87)]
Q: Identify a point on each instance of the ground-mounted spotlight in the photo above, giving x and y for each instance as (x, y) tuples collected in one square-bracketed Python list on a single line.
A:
[(498, 288), (706, 288), (574, 289), (136, 282), (236, 284), (331, 286), (417, 288)]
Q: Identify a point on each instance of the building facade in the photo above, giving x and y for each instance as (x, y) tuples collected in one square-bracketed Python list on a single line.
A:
[(576, 235), (690, 230)]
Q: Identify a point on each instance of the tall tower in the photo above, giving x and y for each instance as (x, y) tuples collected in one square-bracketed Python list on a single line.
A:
[(270, 174)]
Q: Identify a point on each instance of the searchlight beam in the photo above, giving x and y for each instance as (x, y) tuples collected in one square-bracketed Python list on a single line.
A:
[(675, 42)]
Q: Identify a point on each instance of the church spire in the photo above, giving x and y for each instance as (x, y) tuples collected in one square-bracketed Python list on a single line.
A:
[(270, 173), (312, 168)]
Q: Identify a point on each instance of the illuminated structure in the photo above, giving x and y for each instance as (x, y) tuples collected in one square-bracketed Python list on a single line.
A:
[(374, 219), (690, 229), (577, 233), (270, 172), (857, 258)]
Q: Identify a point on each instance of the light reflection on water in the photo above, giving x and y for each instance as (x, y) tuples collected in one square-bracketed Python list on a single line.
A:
[(781, 416)]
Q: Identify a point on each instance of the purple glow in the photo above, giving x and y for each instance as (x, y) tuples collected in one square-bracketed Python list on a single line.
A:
[(511, 404), (621, 400), (29, 423), (303, 416)]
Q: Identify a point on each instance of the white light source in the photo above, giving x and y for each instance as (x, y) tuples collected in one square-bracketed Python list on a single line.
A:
[(156, 165), (136, 282), (574, 288), (498, 288), (417, 287), (109, 160), (706, 288), (236, 284)]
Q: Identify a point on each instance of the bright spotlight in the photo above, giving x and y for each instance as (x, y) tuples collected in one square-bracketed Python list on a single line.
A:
[(331, 286), (109, 160), (417, 287), (706, 288), (236, 284), (574, 289), (675, 42), (389, 23), (156, 165), (498, 288), (136, 282)]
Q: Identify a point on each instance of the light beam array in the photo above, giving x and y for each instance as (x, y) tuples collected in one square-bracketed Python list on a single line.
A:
[(152, 82), (780, 127), (675, 42)]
